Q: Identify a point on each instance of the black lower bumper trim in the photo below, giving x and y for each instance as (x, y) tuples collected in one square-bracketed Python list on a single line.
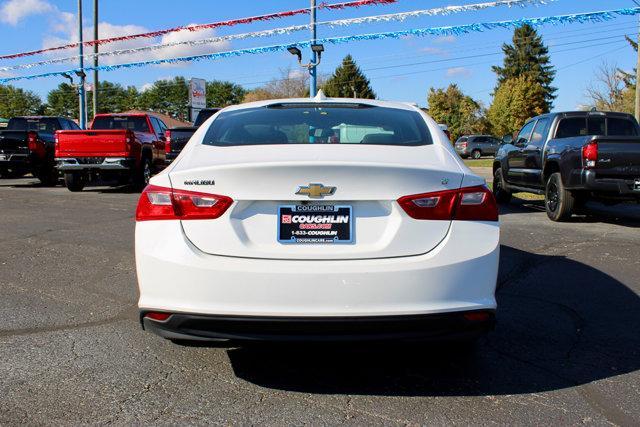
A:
[(195, 327)]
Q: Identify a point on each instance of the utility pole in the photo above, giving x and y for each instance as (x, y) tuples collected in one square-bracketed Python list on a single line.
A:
[(638, 75), (95, 57), (312, 69), (81, 94)]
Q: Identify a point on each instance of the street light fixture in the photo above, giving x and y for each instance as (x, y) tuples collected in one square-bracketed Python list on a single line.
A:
[(80, 74), (68, 76), (317, 48)]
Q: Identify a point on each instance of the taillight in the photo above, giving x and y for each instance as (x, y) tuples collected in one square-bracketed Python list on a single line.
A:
[(590, 154), (157, 203), (167, 141), (32, 141), (464, 204)]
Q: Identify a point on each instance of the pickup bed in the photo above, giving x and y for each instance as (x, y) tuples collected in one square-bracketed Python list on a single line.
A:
[(571, 158), (27, 145), (125, 148), (176, 138)]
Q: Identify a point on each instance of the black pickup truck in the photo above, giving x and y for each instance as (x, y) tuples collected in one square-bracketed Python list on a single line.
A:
[(27, 145), (177, 138), (571, 158)]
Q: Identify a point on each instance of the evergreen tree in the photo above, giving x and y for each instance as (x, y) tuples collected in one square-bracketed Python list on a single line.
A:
[(461, 113), (63, 101), (113, 98), (528, 56), (18, 102), (515, 101), (348, 81)]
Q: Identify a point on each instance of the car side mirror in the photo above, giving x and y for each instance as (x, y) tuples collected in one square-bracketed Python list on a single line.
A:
[(507, 139)]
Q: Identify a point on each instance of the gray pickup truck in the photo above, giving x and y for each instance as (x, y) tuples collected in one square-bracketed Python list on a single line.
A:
[(476, 146), (571, 158)]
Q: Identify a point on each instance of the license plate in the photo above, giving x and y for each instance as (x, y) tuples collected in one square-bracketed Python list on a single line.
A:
[(315, 224), (636, 185)]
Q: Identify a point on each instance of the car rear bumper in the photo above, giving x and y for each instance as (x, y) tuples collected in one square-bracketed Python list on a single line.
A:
[(588, 180), (447, 326), (9, 160), (457, 275), (71, 164)]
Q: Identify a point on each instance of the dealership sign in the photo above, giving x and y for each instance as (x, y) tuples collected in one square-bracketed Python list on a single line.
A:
[(197, 93)]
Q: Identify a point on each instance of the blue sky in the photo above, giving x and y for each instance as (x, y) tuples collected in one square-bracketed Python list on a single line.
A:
[(399, 69)]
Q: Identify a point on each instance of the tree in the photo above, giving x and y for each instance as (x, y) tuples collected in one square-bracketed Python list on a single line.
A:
[(528, 56), (515, 101), (459, 112), (222, 93), (290, 84), (18, 102), (348, 81), (258, 94), (169, 97), (611, 91), (63, 101)]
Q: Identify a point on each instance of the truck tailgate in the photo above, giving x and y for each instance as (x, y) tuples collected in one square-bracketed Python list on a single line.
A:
[(14, 141), (93, 143), (618, 157)]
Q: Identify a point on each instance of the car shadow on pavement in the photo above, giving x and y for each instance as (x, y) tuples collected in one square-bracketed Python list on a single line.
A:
[(624, 214), (560, 324)]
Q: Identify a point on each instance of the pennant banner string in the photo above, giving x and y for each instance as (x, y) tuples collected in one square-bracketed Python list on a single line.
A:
[(199, 27), (589, 17), (286, 30)]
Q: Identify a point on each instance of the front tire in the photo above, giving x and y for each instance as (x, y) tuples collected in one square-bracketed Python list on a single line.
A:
[(75, 181), (476, 154), (502, 195), (558, 201)]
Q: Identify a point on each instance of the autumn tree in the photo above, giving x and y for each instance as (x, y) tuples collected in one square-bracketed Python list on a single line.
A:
[(611, 91), (348, 81), (461, 113), (515, 101), (529, 57)]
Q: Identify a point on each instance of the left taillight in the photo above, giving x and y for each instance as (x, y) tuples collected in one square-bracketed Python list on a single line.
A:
[(167, 141), (159, 203), (32, 141), (590, 154), (464, 204)]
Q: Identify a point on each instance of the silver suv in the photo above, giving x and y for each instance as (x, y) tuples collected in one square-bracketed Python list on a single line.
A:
[(476, 146)]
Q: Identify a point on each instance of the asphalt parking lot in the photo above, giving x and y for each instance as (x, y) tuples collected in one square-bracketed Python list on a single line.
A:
[(566, 349)]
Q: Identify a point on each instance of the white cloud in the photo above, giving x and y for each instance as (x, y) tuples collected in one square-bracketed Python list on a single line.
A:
[(458, 72), (446, 39), (434, 51), (13, 11)]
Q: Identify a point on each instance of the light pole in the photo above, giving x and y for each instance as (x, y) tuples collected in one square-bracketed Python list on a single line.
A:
[(81, 95), (95, 57), (312, 70)]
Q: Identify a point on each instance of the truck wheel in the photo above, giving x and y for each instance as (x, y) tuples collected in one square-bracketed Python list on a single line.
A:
[(499, 192), (75, 181), (476, 154), (142, 174), (558, 201)]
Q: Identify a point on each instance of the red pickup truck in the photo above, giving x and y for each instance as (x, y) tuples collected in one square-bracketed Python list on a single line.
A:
[(125, 148)]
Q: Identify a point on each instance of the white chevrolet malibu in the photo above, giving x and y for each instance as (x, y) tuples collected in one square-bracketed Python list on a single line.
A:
[(317, 219)]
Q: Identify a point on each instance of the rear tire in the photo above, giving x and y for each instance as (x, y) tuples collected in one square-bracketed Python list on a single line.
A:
[(142, 175), (558, 201), (502, 196), (476, 154), (75, 181)]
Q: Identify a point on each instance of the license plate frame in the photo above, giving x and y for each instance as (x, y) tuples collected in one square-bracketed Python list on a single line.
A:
[(329, 229)]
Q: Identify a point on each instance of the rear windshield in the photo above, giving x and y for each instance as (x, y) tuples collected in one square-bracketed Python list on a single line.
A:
[(608, 126), (36, 124), (134, 123), (318, 124)]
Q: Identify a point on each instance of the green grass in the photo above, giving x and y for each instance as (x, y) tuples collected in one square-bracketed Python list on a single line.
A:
[(480, 163), (523, 196)]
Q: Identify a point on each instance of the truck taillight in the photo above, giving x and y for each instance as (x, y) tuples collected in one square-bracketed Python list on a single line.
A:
[(32, 141), (590, 154), (464, 204), (167, 141), (158, 203)]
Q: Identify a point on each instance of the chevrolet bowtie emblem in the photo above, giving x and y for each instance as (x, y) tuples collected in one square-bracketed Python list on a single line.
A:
[(316, 191)]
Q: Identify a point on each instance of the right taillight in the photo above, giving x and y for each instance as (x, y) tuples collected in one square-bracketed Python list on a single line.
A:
[(167, 141), (464, 204), (590, 154), (159, 203)]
